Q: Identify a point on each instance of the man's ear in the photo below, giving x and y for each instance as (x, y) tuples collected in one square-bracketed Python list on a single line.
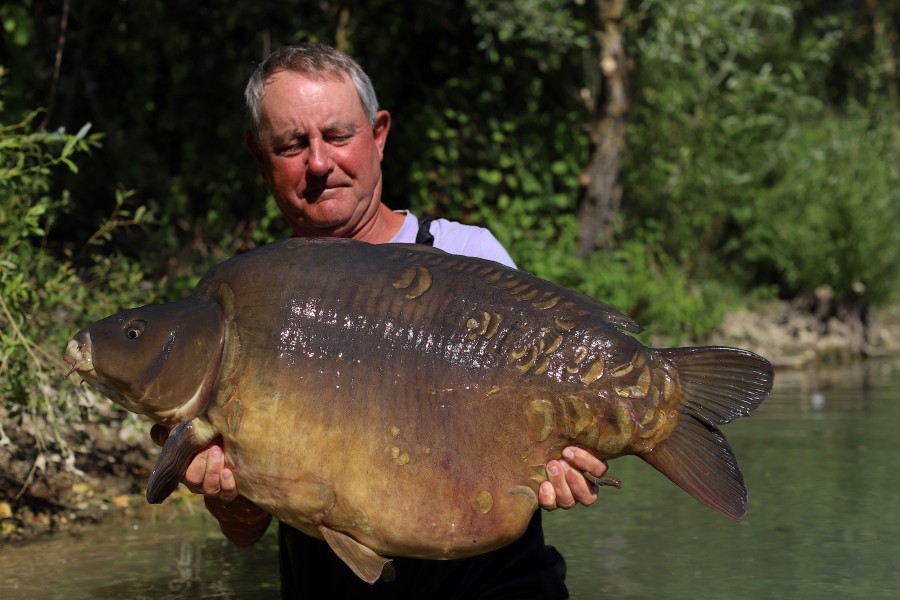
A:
[(380, 130)]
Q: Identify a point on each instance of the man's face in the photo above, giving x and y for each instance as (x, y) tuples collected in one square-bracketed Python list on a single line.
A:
[(319, 155)]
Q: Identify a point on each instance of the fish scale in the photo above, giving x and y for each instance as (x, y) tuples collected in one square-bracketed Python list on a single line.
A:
[(396, 400)]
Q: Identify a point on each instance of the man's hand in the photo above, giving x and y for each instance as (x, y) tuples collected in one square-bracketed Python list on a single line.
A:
[(240, 520), (207, 473), (566, 485)]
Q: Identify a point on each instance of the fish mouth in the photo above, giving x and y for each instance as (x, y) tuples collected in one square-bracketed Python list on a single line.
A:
[(78, 354)]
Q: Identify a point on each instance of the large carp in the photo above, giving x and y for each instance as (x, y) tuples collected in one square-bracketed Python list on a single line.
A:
[(398, 400)]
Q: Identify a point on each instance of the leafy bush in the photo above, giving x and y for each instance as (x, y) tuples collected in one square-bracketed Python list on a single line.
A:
[(717, 89), (506, 147), (44, 298), (831, 218), (491, 127), (741, 160)]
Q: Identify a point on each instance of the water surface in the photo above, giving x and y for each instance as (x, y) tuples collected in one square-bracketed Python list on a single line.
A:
[(160, 553), (820, 458)]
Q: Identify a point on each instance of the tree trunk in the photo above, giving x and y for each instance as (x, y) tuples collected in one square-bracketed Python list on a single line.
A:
[(602, 196), (884, 29)]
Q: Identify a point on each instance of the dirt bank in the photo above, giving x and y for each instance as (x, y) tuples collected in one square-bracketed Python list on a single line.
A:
[(812, 331), (78, 474)]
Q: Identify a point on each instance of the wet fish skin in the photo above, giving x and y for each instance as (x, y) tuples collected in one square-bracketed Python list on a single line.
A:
[(405, 400)]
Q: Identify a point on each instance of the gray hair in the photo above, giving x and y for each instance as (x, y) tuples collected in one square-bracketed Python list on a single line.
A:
[(317, 61)]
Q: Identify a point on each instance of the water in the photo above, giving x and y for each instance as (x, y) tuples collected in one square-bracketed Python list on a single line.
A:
[(167, 554), (820, 458)]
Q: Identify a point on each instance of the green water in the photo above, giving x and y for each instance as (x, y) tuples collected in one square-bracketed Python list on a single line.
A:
[(141, 559), (821, 458)]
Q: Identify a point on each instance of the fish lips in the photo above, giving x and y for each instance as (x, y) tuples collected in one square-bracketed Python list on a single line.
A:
[(79, 355)]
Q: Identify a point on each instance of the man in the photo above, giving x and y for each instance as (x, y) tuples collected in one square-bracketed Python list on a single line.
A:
[(318, 139)]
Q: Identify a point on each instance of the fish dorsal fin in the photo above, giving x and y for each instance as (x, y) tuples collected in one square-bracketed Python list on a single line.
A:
[(188, 438), (364, 561), (423, 248)]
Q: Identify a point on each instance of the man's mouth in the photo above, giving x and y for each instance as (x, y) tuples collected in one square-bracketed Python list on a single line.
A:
[(311, 194)]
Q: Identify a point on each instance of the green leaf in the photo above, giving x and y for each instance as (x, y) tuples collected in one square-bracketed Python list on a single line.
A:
[(72, 166)]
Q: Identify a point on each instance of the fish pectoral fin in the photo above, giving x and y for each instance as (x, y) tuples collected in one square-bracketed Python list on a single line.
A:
[(602, 481), (177, 453), (365, 562)]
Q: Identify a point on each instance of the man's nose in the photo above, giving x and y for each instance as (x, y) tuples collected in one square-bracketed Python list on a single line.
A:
[(319, 158)]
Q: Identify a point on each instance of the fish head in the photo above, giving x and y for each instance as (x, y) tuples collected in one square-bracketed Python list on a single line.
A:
[(158, 360)]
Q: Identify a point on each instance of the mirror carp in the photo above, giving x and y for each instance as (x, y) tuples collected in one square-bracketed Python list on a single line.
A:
[(397, 400)]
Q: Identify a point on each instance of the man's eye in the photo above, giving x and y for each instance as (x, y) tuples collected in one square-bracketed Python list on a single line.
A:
[(292, 149)]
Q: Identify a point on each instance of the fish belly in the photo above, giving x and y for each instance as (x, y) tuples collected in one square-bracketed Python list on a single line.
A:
[(441, 476)]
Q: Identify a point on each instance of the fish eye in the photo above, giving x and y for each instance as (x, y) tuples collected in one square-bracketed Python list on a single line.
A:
[(134, 330)]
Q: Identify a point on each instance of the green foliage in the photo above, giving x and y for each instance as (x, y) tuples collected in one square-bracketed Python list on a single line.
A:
[(490, 127), (16, 23), (44, 298), (831, 216), (713, 104), (720, 91), (655, 288), (505, 142), (737, 159)]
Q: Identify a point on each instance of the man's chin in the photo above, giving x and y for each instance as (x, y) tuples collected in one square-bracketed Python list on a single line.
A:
[(322, 226)]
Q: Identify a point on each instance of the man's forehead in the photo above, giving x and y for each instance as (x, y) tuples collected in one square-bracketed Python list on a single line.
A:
[(294, 89), (286, 118)]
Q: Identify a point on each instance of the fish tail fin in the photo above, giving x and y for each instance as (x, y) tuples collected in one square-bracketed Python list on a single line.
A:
[(718, 386)]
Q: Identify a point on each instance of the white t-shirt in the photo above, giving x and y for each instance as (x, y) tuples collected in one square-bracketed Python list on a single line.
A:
[(456, 238)]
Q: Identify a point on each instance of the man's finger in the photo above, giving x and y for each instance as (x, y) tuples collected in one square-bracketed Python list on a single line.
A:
[(556, 474), (228, 486), (582, 490), (196, 472), (547, 496), (582, 460), (215, 462)]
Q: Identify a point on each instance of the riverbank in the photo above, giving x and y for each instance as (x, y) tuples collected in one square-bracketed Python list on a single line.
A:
[(84, 472), (80, 475), (812, 331)]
